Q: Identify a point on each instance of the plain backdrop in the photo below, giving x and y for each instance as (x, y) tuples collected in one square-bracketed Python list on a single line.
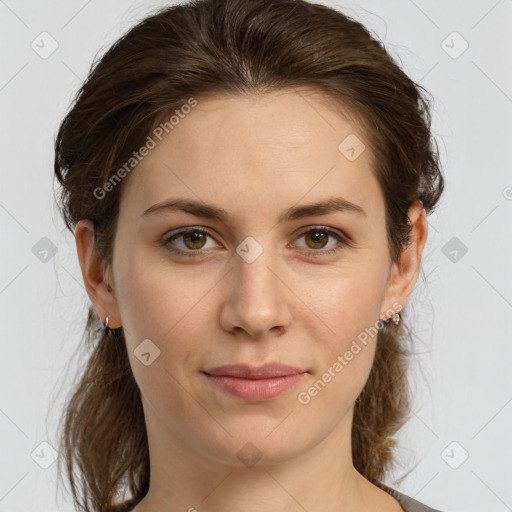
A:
[(457, 446)]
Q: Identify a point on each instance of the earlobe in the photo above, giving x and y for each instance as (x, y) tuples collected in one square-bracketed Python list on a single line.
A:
[(93, 274)]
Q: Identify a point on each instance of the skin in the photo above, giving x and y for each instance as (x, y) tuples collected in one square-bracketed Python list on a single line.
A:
[(254, 156)]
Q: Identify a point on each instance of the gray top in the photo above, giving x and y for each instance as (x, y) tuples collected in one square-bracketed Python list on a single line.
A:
[(408, 504)]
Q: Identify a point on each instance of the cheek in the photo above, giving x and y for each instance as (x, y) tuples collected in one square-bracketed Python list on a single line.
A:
[(349, 304), (164, 308), (349, 301), (344, 359), (155, 298)]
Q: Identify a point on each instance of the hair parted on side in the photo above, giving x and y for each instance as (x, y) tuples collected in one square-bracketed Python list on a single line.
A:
[(231, 47)]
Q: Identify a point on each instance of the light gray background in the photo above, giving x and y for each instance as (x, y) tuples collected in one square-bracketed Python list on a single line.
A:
[(462, 302)]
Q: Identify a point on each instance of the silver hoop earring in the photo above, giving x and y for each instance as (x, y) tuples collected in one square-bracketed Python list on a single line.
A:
[(110, 330)]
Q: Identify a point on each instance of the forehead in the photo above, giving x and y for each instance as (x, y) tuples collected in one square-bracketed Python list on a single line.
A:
[(255, 151)]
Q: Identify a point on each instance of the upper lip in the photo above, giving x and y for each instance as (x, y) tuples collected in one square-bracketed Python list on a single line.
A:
[(255, 372)]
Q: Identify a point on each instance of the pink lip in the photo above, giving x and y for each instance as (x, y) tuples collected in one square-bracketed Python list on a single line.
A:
[(255, 383)]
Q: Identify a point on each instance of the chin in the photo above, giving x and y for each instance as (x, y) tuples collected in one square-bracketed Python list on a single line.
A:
[(259, 442)]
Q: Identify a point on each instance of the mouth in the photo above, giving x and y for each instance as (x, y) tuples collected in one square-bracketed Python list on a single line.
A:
[(255, 383)]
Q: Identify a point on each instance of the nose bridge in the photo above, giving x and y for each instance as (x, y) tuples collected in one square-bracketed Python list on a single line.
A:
[(257, 299), (253, 275)]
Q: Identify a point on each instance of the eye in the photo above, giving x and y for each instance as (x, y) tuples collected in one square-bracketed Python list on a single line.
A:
[(317, 237), (194, 240)]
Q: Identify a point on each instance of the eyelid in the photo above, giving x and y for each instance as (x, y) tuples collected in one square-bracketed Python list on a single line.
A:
[(327, 229)]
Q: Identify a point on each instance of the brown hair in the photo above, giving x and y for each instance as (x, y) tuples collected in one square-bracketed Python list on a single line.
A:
[(229, 47)]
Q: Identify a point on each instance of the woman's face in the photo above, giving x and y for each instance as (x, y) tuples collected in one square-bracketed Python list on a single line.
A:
[(268, 282)]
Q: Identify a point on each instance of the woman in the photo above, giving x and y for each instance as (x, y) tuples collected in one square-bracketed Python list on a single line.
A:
[(248, 184)]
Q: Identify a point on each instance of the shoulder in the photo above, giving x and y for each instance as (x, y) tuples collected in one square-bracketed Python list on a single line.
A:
[(409, 504)]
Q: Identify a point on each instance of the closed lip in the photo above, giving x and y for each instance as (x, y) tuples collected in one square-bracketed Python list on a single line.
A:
[(246, 371)]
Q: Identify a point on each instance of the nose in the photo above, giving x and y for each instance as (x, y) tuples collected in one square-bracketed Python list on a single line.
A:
[(257, 297)]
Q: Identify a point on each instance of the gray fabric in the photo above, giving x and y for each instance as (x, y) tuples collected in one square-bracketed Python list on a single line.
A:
[(408, 504)]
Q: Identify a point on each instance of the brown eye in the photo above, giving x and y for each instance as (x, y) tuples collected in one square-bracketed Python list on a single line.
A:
[(318, 239), (192, 242), (194, 239)]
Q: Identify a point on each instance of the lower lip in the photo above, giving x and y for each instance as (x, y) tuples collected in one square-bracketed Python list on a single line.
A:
[(256, 389)]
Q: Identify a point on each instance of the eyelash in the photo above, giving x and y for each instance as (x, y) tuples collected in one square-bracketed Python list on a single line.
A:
[(166, 241)]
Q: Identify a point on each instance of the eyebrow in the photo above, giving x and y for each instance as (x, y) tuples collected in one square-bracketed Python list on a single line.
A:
[(209, 211)]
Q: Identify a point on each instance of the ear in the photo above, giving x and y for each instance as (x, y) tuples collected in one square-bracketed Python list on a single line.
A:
[(93, 273), (404, 274)]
